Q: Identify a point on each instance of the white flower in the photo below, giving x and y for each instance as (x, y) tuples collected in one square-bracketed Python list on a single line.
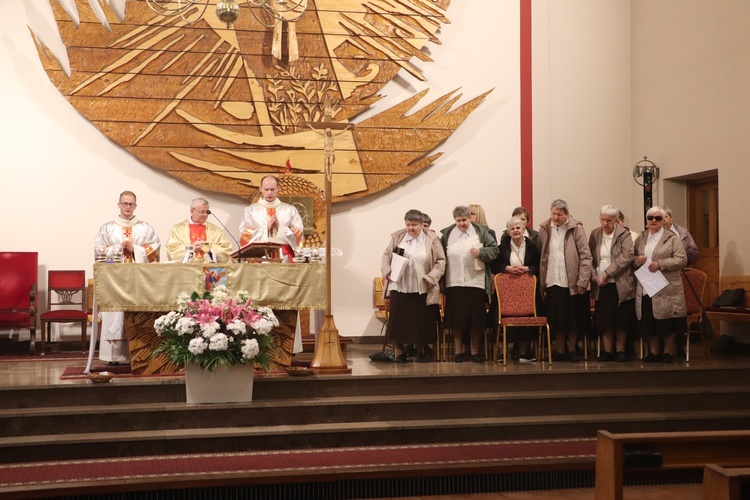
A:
[(220, 294), (243, 295), (197, 346), (250, 348), (262, 326), (208, 329), (182, 299), (185, 325), (237, 327), (219, 342)]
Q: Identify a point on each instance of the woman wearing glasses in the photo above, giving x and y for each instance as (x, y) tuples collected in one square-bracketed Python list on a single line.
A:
[(661, 315)]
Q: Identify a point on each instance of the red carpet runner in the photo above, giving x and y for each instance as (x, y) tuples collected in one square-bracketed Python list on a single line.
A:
[(288, 463)]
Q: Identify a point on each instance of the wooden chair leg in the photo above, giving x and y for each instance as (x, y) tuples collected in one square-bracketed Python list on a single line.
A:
[(505, 346), (44, 328)]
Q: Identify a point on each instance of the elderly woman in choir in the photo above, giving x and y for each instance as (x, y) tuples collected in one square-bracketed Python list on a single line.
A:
[(412, 265), (662, 315), (613, 283), (518, 254), (469, 249)]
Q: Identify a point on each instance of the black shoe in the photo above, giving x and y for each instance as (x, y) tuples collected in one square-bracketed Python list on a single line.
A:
[(514, 355), (605, 357), (460, 357), (424, 358), (559, 356), (410, 350), (477, 358), (667, 358), (401, 358), (651, 358), (574, 357), (621, 357)]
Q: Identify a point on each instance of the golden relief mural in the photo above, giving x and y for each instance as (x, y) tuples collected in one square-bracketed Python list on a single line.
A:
[(219, 107)]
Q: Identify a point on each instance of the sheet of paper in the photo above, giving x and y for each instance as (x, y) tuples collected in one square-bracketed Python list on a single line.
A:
[(652, 283), (398, 263)]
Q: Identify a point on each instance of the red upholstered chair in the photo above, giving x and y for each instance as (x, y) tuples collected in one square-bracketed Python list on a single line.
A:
[(66, 302), (516, 297), (18, 284), (698, 281)]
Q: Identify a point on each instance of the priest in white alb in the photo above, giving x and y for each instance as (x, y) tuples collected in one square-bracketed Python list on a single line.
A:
[(185, 238), (271, 220), (128, 240)]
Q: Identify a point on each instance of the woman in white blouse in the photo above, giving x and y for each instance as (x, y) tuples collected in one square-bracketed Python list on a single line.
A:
[(613, 283), (469, 250), (412, 265)]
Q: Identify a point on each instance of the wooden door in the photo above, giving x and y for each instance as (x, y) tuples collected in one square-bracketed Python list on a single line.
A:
[(703, 224)]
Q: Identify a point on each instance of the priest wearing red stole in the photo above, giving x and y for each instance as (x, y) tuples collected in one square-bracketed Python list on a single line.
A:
[(128, 240), (270, 219), (185, 238)]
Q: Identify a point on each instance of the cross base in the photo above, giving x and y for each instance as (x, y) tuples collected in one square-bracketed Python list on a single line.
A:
[(328, 356)]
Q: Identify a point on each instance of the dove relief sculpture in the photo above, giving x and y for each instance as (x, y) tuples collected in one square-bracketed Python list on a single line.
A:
[(220, 107)]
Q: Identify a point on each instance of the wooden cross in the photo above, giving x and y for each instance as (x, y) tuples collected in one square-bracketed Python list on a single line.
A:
[(328, 355)]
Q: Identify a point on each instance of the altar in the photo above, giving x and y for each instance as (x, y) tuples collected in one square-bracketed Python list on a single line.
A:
[(145, 291)]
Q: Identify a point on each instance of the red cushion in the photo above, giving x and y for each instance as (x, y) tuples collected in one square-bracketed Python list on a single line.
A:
[(62, 315)]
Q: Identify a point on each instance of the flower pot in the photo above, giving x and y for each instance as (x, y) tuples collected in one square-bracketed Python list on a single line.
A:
[(225, 384)]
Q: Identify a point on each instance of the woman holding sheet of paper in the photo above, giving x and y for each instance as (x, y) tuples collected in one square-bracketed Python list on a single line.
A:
[(659, 299), (412, 265)]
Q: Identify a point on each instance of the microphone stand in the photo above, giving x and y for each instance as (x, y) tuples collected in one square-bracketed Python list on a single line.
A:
[(239, 247)]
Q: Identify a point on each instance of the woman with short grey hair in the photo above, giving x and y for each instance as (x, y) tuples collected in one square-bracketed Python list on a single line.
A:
[(469, 249), (415, 287), (613, 283)]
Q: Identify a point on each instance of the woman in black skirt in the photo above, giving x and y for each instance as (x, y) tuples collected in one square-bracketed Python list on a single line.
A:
[(613, 286), (412, 265), (469, 250), (661, 316)]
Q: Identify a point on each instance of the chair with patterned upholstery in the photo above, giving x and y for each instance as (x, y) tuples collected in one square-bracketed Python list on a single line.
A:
[(516, 296), (693, 301), (66, 303)]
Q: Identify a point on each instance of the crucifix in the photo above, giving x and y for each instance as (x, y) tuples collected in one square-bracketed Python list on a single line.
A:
[(328, 356)]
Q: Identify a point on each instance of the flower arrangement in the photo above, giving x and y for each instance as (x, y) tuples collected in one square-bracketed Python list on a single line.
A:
[(217, 329)]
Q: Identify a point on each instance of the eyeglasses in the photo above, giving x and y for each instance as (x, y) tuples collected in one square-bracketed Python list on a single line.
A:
[(657, 218), (126, 204)]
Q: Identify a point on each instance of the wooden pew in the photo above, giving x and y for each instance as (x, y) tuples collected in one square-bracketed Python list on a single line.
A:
[(674, 450), (725, 483)]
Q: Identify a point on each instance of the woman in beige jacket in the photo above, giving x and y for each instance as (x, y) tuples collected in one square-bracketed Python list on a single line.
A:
[(414, 286), (663, 315)]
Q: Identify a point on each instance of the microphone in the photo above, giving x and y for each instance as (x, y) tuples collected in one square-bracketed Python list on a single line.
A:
[(239, 247)]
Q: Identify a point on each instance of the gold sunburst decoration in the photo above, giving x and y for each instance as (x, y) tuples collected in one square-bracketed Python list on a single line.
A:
[(218, 108)]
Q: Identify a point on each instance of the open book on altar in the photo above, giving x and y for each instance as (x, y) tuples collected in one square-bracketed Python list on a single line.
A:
[(272, 251)]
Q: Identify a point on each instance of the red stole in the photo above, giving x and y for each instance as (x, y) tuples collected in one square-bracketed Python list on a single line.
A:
[(127, 234), (198, 233)]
